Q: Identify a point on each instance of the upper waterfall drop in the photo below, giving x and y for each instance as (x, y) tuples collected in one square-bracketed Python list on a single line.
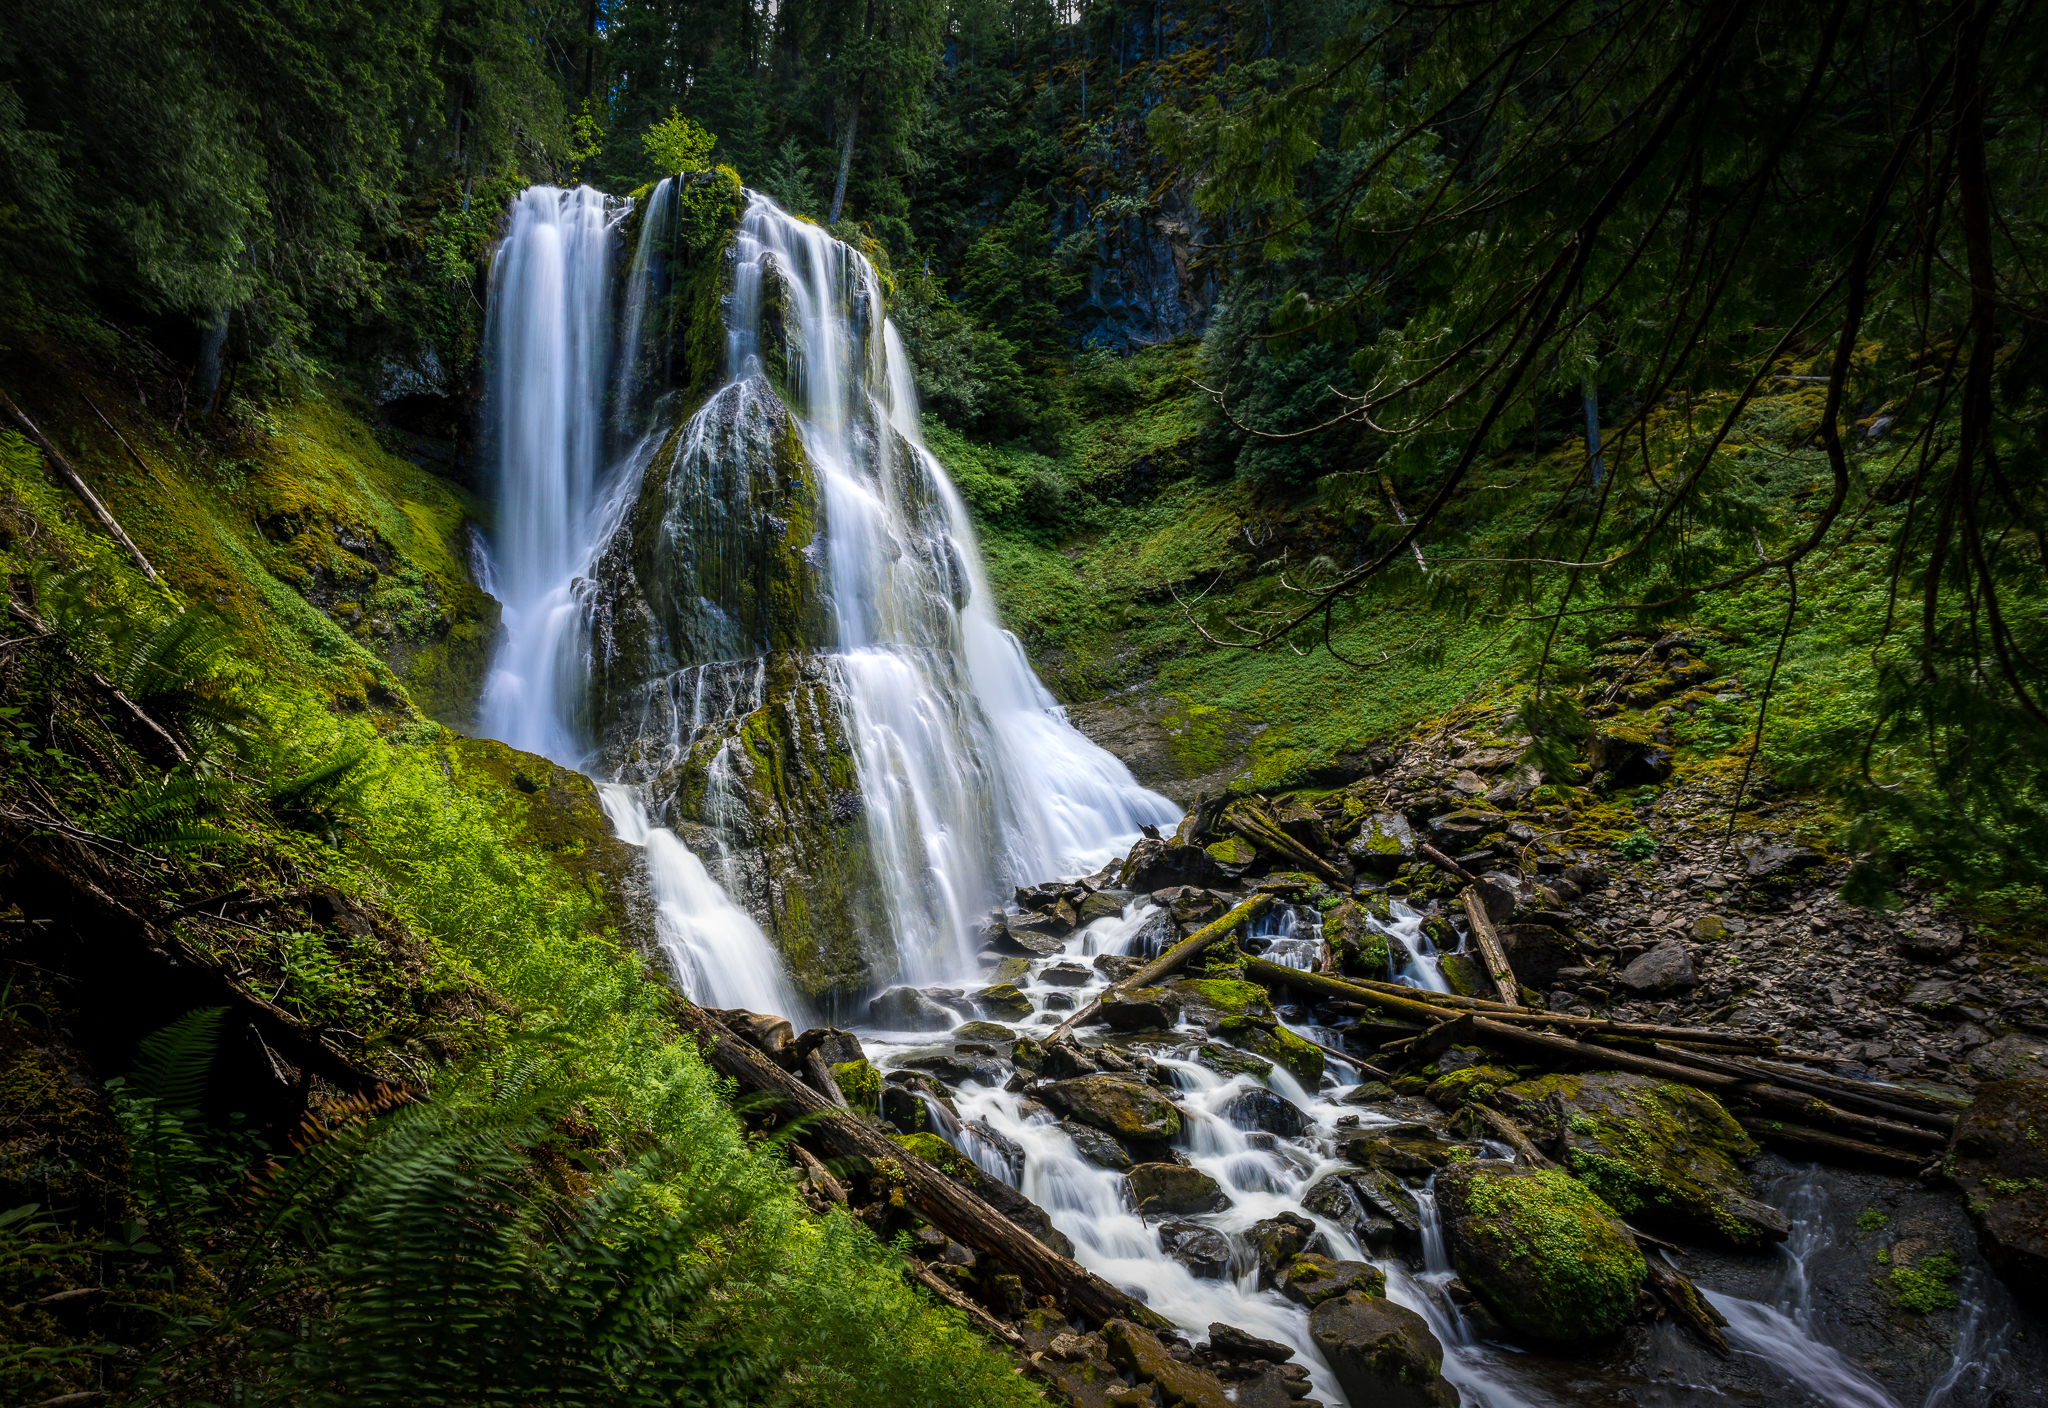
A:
[(776, 628)]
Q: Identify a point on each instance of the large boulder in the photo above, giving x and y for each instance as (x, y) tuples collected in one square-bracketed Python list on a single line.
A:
[(1274, 1241), (1384, 844), (1262, 1036), (1116, 1105), (1309, 1279), (1096, 1147), (1138, 1351), (1382, 1354), (1666, 1155), (1001, 1000), (1262, 1109), (1156, 865), (1360, 947), (1175, 1188), (1206, 1000), (1662, 971), (1541, 1250), (1372, 1203), (908, 1010), (1141, 1009), (1999, 1158)]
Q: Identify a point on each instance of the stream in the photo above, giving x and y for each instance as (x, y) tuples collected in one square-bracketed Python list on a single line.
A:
[(846, 703)]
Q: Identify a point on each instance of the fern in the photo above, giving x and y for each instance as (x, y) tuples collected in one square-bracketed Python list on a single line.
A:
[(169, 813), (157, 1104), (327, 796)]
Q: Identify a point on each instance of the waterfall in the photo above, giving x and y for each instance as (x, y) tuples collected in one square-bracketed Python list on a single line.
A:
[(767, 622)]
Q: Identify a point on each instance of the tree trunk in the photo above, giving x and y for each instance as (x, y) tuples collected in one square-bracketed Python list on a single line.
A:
[(845, 160)]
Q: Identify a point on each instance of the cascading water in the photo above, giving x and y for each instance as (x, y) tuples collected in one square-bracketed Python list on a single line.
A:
[(794, 562)]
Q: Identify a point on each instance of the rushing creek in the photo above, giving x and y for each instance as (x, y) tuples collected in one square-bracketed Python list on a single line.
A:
[(962, 778)]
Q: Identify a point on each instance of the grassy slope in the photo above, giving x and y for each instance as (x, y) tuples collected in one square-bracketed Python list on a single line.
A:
[(256, 522)]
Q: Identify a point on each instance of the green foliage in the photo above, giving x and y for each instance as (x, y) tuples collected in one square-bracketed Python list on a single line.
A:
[(1637, 845), (170, 813), (788, 180), (36, 1258), (179, 1161), (678, 144), (1924, 1287)]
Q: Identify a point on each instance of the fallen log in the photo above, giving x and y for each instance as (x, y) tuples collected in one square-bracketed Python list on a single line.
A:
[(976, 1316), (80, 487), (1894, 1094), (1678, 1295), (819, 1176), (1249, 823), (822, 1078), (1847, 1099), (1173, 958), (953, 1209), (1443, 862), (1819, 1143), (1501, 1012), (1497, 967)]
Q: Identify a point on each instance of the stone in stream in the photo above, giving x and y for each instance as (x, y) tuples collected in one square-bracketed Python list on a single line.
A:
[(1059, 1002), (834, 1047), (960, 1068), (1115, 1104), (1999, 1159), (1000, 1000), (1275, 1241), (983, 1031), (1664, 1155), (1155, 865), (1380, 1212), (1172, 1188), (904, 1009), (1206, 1000), (1262, 1109), (1279, 1045), (1137, 1350), (1540, 1248), (1227, 1061), (1064, 1061), (1100, 905), (1096, 1147), (1204, 1251), (1066, 975), (1663, 970), (1308, 1279), (1229, 1342), (1116, 966), (1141, 1009), (1382, 1354)]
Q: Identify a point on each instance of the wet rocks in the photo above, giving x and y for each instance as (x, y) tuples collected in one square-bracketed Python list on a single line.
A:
[(1208, 1000), (1138, 1351), (1308, 1279), (1114, 1104), (1228, 1061), (1665, 969), (1464, 828), (1541, 1249), (1998, 1157), (1262, 1109), (999, 1000), (1140, 1009), (903, 1009), (1275, 1241), (1384, 844), (1229, 1342), (1266, 1038), (1204, 1251), (1372, 1203), (1661, 1153), (983, 1031), (1096, 1147), (1066, 975), (1098, 906), (1171, 1188), (1382, 1354), (1155, 865)]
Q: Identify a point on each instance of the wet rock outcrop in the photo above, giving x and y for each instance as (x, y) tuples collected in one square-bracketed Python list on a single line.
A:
[(1544, 1253)]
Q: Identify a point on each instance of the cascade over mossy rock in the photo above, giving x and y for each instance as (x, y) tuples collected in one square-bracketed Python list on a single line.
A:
[(1206, 1000), (1116, 1105), (1540, 1249), (1175, 1188), (1667, 1155), (1277, 1044), (1382, 1354), (1998, 1157)]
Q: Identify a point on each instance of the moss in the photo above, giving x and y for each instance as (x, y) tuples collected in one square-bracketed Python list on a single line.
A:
[(1472, 1083), (860, 1083), (1232, 850), (1871, 1220), (1923, 1287), (1222, 997), (1545, 1235), (1303, 1060), (938, 1153)]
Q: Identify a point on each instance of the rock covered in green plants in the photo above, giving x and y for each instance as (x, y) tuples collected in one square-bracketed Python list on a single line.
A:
[(1361, 949), (1541, 1249), (1662, 1153), (1471, 1083), (860, 1083), (1116, 1105), (1384, 843), (1264, 1037), (983, 1031), (1308, 1279), (1001, 1000), (1205, 1000), (1998, 1157), (1228, 1061), (1137, 1350), (1175, 1188), (1382, 1354)]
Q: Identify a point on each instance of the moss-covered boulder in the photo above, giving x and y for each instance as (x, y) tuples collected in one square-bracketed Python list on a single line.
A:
[(1308, 1279), (1116, 1105), (1361, 949), (1141, 1009), (1382, 1354), (1233, 854), (1303, 1060), (984, 1031), (1999, 1159), (1001, 1000), (1158, 1189), (1550, 1259), (1228, 1061), (1385, 842), (860, 1083), (1461, 1087), (1661, 1153), (1208, 1000), (1138, 1351)]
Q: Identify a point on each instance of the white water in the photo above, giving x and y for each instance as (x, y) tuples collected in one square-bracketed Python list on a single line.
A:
[(971, 778)]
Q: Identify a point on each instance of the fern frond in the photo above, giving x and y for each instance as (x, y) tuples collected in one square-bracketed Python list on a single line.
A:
[(327, 791), (171, 1064), (169, 813)]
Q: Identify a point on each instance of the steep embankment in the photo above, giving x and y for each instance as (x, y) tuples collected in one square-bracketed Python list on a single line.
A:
[(253, 896)]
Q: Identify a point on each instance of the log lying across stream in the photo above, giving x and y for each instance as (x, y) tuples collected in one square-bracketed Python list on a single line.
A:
[(1875, 1122), (949, 1206)]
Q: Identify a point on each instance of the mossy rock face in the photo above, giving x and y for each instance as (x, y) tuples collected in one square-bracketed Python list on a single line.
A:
[(63, 1148), (1381, 1353), (1227, 1061), (1116, 1105), (1999, 1159), (1664, 1154), (1303, 1060), (1472, 1083), (860, 1083), (1233, 853), (1211, 999), (558, 812), (1141, 1009), (1542, 1251), (1384, 843), (1361, 949), (1465, 974)]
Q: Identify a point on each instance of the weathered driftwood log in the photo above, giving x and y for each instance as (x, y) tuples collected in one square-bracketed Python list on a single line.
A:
[(1799, 1081), (1171, 959), (948, 1206), (79, 487), (1682, 1299), (1497, 967), (1820, 1143), (1252, 824), (1443, 862), (1590, 1025), (1736, 1082)]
